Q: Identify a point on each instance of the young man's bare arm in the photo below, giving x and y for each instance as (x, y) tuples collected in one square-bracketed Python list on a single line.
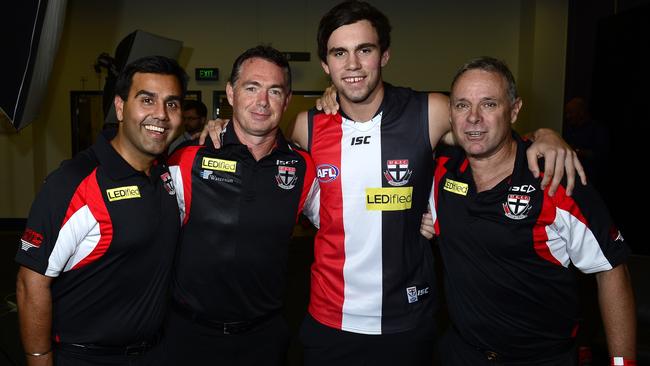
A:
[(439, 122), (35, 315), (299, 132)]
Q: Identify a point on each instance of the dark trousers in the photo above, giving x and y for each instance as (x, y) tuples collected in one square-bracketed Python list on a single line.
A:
[(70, 357), (190, 342), (328, 346), (454, 351)]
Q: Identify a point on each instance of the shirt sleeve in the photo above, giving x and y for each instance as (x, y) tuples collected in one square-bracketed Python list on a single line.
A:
[(58, 223), (593, 242)]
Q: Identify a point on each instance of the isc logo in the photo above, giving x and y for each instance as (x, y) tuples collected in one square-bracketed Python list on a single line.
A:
[(360, 140), (525, 188), (326, 173)]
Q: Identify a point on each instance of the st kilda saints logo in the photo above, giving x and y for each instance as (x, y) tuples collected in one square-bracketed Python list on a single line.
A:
[(168, 183), (397, 172), (286, 177), (517, 203), (517, 206)]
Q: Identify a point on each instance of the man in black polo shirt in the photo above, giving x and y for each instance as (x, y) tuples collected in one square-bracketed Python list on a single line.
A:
[(97, 252), (508, 247), (239, 205)]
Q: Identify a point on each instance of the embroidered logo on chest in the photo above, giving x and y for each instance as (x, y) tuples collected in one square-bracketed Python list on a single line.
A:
[(517, 206), (517, 203), (397, 172), (286, 177), (168, 183)]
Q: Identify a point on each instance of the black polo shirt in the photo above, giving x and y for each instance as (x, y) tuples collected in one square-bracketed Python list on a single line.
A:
[(238, 216), (108, 234), (508, 255)]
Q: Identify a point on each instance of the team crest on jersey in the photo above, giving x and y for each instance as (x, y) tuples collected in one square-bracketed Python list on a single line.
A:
[(168, 183), (517, 206), (30, 239), (397, 172), (286, 177)]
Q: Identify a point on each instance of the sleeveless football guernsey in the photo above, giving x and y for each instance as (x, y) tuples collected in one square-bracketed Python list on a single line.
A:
[(373, 271)]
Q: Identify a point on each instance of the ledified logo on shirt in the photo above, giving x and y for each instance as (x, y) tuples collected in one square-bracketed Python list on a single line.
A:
[(219, 164), (123, 193), (389, 198)]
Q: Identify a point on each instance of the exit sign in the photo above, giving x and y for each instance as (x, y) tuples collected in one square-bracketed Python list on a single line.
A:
[(206, 74)]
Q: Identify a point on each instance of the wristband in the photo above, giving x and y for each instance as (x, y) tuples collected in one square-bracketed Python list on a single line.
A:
[(621, 361), (37, 354)]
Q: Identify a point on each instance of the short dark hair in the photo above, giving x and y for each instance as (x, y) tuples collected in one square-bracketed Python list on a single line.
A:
[(490, 64), (349, 12), (152, 65), (197, 105), (267, 53)]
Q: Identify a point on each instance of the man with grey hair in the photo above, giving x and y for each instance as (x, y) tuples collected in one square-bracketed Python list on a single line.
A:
[(508, 246)]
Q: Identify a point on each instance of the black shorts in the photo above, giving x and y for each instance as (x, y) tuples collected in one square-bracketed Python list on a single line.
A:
[(328, 346)]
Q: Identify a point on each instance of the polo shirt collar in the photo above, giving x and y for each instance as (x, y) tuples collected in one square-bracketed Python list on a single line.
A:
[(229, 137), (115, 166)]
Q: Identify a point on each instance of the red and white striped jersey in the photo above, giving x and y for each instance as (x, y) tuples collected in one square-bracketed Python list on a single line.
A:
[(373, 271)]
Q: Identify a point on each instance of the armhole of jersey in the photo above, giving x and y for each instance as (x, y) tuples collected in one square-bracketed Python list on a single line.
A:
[(309, 179), (310, 128), (183, 161)]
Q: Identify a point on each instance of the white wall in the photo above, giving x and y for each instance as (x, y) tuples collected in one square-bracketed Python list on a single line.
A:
[(431, 39)]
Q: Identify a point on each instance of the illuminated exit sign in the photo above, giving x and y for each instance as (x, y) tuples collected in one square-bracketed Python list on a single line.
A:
[(206, 74)]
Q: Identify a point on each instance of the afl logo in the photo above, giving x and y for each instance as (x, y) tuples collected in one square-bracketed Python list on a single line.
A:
[(326, 173)]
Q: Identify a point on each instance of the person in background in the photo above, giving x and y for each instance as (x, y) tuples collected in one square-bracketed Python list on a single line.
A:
[(195, 114), (97, 252), (588, 137)]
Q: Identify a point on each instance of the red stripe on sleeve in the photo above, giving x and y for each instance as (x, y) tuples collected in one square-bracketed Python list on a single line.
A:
[(564, 202), (437, 177), (540, 238), (88, 193)]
